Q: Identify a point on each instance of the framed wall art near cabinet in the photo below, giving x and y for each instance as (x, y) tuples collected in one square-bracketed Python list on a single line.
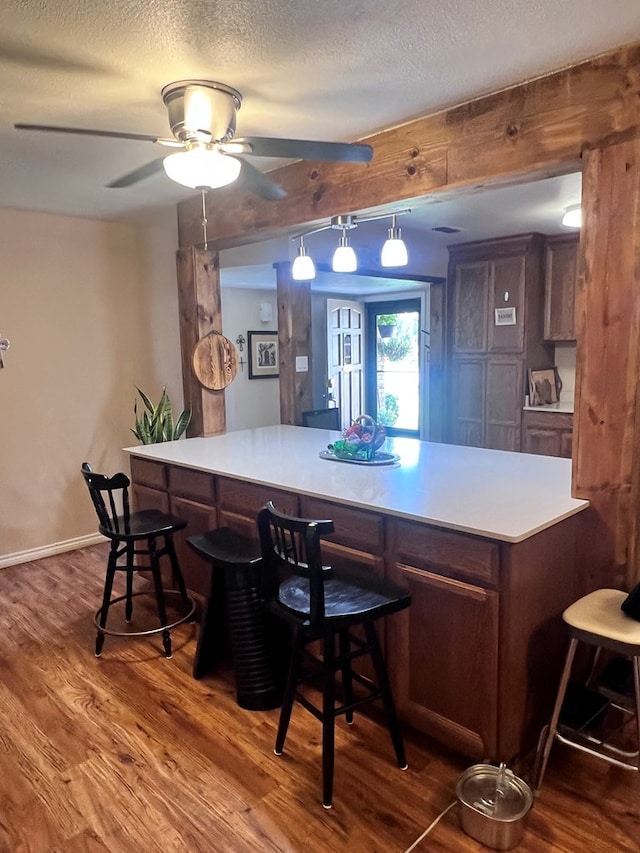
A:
[(263, 355)]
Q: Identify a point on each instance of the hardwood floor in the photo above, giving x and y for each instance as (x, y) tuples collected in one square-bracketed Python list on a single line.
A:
[(129, 753)]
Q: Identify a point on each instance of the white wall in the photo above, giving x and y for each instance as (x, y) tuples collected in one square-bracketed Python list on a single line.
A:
[(249, 402), (565, 361), (90, 309)]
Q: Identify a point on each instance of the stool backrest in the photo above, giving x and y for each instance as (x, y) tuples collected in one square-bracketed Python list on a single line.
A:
[(113, 513), (322, 418), (292, 546)]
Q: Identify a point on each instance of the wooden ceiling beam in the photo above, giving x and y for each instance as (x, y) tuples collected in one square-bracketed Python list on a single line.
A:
[(539, 126)]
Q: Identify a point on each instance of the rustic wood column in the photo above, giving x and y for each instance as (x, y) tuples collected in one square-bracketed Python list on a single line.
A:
[(606, 467), (294, 339), (199, 306)]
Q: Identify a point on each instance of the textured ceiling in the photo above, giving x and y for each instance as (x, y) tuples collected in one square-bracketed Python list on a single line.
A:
[(308, 69)]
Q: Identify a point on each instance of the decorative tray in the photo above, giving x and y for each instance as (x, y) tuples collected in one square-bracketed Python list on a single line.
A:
[(380, 458)]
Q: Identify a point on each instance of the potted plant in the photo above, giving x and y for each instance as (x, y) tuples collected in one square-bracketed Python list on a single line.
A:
[(386, 324), (156, 423)]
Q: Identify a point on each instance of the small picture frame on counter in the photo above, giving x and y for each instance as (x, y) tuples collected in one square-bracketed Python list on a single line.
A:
[(544, 387)]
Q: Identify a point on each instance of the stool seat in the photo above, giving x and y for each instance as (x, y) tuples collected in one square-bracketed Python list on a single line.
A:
[(599, 615), (252, 639), (596, 620)]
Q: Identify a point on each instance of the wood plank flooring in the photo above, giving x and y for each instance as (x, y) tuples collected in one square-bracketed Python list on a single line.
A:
[(129, 754)]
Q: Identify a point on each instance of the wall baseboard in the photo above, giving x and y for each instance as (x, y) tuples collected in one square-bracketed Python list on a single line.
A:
[(49, 550)]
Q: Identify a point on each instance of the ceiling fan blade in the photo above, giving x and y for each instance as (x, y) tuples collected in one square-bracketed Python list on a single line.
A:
[(138, 174), (46, 59), (305, 149), (254, 181), (113, 134)]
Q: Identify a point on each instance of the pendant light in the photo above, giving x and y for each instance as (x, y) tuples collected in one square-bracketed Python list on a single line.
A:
[(303, 268), (394, 251), (572, 216), (344, 257), (345, 260)]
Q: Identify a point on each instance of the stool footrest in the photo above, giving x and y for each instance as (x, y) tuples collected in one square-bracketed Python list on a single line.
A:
[(596, 747)]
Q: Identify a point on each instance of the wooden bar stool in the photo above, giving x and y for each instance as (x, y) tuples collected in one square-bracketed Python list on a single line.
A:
[(595, 620), (325, 603), (146, 533)]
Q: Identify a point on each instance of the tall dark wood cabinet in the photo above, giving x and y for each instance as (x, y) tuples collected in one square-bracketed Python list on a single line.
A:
[(495, 304)]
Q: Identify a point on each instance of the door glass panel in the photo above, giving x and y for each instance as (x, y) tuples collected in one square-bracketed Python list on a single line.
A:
[(394, 392)]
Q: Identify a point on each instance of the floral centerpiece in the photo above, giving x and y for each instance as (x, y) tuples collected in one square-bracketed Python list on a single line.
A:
[(361, 440)]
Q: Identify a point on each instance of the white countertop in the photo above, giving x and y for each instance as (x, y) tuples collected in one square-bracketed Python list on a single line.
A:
[(492, 493), (565, 408)]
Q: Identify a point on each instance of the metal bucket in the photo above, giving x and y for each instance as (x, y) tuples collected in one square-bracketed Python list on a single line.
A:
[(494, 803)]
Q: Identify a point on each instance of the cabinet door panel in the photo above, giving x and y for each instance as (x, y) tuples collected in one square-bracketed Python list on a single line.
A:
[(247, 499), (145, 498), (200, 518), (192, 484), (353, 527), (507, 291), (543, 442), (146, 472), (547, 434), (445, 551), (561, 256), (443, 654), (470, 307), (566, 444), (505, 396), (467, 395)]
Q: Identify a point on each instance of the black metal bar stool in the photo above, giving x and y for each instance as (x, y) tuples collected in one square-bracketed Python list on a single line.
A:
[(325, 603), (597, 621), (146, 533), (254, 642)]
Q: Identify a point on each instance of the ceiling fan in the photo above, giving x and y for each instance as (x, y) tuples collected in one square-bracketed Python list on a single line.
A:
[(202, 117)]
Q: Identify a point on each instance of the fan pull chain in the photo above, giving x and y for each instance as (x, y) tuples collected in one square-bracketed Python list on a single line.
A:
[(204, 219)]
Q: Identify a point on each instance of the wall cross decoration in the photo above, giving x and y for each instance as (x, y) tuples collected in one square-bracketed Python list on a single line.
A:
[(4, 346)]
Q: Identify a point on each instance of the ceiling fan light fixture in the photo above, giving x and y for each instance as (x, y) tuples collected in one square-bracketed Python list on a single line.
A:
[(202, 167), (344, 257), (394, 251), (572, 216), (303, 267)]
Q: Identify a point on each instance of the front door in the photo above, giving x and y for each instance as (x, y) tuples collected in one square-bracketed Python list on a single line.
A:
[(345, 353)]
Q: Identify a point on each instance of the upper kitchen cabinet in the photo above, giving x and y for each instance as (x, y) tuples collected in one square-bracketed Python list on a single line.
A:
[(495, 292), (495, 299), (561, 256)]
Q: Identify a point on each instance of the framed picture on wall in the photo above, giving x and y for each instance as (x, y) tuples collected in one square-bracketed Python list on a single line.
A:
[(263, 355)]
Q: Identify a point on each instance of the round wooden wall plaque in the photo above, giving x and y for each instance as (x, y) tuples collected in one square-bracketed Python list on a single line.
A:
[(215, 361)]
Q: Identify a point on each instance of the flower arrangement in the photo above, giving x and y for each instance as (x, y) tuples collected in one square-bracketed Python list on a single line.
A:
[(361, 440)]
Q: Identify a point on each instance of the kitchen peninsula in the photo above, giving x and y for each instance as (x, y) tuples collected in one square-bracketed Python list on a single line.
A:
[(485, 540)]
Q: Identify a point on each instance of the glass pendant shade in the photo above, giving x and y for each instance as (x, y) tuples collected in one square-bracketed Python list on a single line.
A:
[(202, 167), (303, 268), (344, 257), (394, 251), (572, 217)]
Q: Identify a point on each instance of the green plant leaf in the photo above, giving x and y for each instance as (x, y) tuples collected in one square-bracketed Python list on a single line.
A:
[(182, 423), (147, 402)]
